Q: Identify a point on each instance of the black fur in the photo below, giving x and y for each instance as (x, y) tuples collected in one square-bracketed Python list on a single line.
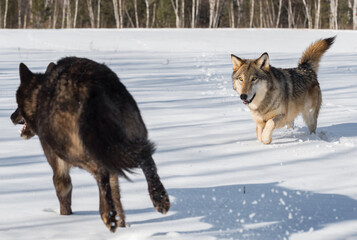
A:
[(85, 117)]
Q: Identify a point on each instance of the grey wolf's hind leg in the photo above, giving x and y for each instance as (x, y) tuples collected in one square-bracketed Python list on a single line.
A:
[(114, 185), (312, 109), (61, 180), (106, 208), (157, 191)]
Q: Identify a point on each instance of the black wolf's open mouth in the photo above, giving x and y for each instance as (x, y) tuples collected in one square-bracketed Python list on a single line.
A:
[(249, 101), (22, 129)]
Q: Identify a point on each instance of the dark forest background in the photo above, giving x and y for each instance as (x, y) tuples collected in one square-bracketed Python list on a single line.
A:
[(318, 14)]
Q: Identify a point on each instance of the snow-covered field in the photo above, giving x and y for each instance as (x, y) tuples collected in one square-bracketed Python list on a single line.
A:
[(222, 183)]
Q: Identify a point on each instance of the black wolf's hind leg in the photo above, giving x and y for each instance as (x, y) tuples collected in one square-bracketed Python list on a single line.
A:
[(157, 191), (114, 185), (106, 207), (61, 181)]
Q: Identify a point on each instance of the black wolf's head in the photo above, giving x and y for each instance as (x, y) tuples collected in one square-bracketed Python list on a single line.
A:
[(26, 97)]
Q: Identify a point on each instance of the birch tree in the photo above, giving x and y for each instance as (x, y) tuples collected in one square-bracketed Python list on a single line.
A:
[(175, 6), (5, 13), (69, 15), (291, 18), (116, 13), (307, 6), (279, 13), (137, 24), (91, 14), (333, 14), (240, 11), (75, 14), (19, 13), (251, 13), (317, 13), (98, 14), (354, 13), (231, 14), (55, 13), (63, 12), (147, 4)]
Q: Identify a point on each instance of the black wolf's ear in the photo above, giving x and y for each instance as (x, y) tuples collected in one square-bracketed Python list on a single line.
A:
[(263, 62), (25, 73), (50, 67), (237, 62)]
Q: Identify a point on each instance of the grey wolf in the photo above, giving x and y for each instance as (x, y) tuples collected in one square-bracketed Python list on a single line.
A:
[(85, 117), (276, 96)]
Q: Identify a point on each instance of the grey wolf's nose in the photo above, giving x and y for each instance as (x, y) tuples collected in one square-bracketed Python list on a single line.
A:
[(243, 97)]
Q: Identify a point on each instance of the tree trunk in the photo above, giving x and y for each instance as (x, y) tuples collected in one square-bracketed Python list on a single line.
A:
[(175, 7), (128, 16), (291, 18), (55, 14), (19, 13), (182, 18), (75, 14), (317, 14), (137, 24), (91, 14), (279, 12), (354, 12), (69, 14), (147, 13), (121, 13), (260, 14), (98, 14), (333, 14), (116, 13), (193, 19), (153, 15), (307, 6), (232, 17), (63, 12), (251, 13), (239, 4)]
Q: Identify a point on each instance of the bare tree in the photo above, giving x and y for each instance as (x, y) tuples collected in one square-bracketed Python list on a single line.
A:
[(121, 13), (333, 14), (195, 11), (175, 6), (307, 6), (279, 13), (291, 18), (240, 11), (116, 13), (63, 12), (69, 15), (98, 14), (147, 3), (231, 14), (5, 13), (354, 11), (137, 24), (153, 15), (91, 14), (19, 13), (317, 13), (75, 14), (182, 18), (215, 8), (55, 14), (251, 13)]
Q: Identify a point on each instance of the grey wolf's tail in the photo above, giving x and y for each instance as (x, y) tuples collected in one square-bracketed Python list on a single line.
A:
[(312, 55)]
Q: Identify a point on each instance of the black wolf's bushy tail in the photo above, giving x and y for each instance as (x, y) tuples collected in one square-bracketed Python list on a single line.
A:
[(312, 55)]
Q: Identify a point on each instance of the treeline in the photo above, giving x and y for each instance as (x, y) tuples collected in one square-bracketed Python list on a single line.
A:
[(318, 14)]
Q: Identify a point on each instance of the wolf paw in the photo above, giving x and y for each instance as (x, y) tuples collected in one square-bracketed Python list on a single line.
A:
[(110, 220), (266, 140), (160, 199)]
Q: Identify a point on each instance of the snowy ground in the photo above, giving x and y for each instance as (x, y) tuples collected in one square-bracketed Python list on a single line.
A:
[(222, 183)]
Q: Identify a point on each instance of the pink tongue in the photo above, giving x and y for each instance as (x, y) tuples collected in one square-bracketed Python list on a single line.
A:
[(245, 101)]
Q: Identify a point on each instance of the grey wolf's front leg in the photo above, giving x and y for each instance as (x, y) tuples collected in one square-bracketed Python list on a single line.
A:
[(269, 128), (259, 129)]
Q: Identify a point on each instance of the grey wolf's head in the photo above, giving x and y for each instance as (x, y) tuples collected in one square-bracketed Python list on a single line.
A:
[(250, 78), (26, 97)]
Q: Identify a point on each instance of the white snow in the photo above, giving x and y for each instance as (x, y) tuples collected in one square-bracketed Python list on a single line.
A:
[(222, 183)]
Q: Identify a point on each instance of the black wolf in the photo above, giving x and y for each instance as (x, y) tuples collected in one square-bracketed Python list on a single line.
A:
[(85, 117)]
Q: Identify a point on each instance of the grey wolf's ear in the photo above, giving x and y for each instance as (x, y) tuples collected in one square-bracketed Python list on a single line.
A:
[(50, 67), (237, 62), (25, 73), (263, 62)]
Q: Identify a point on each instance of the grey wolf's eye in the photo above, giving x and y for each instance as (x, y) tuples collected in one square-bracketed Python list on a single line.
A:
[(254, 79), (240, 79)]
